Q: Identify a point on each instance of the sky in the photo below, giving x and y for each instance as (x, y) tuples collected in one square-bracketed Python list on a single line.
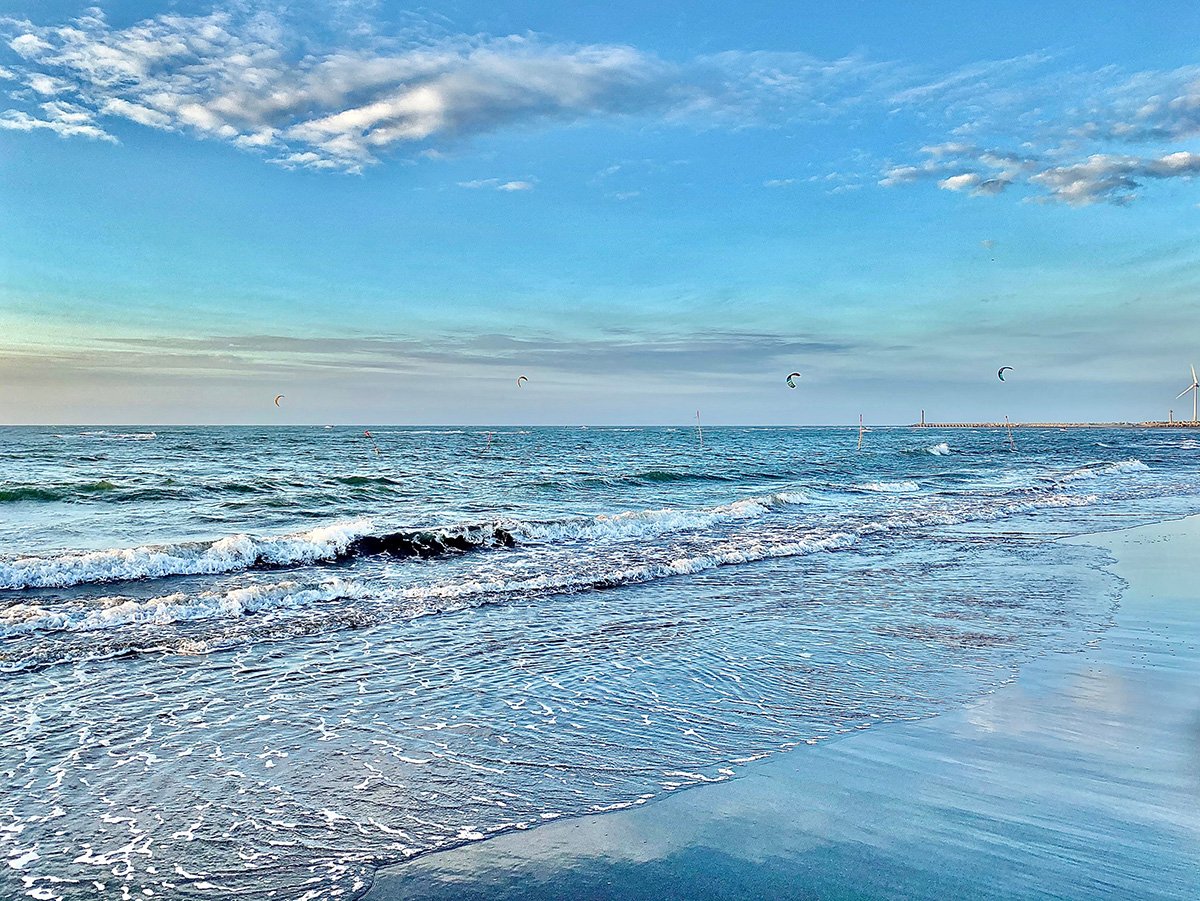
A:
[(388, 215)]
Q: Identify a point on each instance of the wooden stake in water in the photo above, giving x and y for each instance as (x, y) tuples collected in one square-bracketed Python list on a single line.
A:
[(699, 430), (860, 431), (367, 434)]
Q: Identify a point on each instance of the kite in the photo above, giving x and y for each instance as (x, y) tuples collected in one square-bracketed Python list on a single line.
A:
[(520, 379), (1000, 372), (794, 375), (279, 397)]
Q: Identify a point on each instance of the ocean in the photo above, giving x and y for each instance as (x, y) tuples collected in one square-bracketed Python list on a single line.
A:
[(265, 662)]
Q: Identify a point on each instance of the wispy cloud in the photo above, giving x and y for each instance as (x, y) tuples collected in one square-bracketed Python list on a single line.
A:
[(1025, 125), (248, 81), (251, 81), (666, 355), (1076, 137), (1054, 177), (496, 184)]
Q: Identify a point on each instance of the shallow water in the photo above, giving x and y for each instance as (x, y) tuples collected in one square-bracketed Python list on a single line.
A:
[(264, 662)]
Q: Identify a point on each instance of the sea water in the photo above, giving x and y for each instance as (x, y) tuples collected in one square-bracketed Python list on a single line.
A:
[(263, 662)]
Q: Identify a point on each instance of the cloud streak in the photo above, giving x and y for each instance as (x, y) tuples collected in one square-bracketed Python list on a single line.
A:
[(1099, 177), (249, 81), (253, 81), (1076, 138)]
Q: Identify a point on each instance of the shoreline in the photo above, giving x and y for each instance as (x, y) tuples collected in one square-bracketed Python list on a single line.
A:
[(1079, 779)]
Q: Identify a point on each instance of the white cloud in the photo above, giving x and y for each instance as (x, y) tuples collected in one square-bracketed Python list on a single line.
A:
[(1065, 137), (253, 81), (265, 87), (1112, 178), (241, 79), (48, 85), (62, 119), (496, 184), (135, 112), (964, 182)]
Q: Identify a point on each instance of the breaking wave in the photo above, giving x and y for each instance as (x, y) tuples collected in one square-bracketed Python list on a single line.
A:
[(1098, 470), (902, 487), (11, 494), (358, 538), (439, 597)]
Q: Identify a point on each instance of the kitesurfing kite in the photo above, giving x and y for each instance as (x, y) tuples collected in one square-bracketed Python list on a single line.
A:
[(794, 375), (278, 398), (520, 379), (1000, 372)]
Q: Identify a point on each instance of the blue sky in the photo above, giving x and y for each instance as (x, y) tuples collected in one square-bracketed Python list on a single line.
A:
[(389, 215)]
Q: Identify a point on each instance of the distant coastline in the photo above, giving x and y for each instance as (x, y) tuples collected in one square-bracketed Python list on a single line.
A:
[(1188, 424)]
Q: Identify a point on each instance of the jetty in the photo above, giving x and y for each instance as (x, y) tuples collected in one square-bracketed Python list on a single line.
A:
[(1167, 424), (1055, 425)]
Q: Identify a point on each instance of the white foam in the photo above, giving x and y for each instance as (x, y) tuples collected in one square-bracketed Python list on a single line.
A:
[(228, 554), (1094, 471), (746, 551), (889, 487), (240, 552), (118, 612), (649, 523), (939, 450)]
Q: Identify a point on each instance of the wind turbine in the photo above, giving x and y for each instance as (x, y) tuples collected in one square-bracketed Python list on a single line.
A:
[(1194, 387)]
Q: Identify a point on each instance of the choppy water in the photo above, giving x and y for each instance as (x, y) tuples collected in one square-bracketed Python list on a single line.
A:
[(262, 662)]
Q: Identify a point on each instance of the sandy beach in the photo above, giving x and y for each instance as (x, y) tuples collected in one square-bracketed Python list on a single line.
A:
[(1079, 780)]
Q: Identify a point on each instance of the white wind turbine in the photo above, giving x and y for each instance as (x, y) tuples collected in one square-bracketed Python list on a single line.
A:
[(1194, 387)]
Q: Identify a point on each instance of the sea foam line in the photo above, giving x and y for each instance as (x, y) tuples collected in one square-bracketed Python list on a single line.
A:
[(356, 538), (116, 612)]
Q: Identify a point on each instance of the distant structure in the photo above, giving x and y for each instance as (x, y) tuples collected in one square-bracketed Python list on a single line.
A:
[(1194, 387), (1175, 424), (1171, 422)]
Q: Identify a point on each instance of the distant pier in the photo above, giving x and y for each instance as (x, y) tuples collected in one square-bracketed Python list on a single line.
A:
[(1189, 424)]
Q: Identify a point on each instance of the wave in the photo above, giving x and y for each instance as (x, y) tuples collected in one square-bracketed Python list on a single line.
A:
[(651, 523), (1097, 470), (104, 490), (362, 481), (119, 612), (358, 538), (422, 600), (11, 494), (648, 477), (939, 450), (666, 475), (663, 476), (327, 544), (902, 487), (104, 435)]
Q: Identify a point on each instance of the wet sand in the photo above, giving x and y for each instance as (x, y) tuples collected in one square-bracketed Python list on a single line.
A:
[(1080, 780)]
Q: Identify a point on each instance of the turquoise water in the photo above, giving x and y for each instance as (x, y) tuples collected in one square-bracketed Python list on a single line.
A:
[(265, 662)]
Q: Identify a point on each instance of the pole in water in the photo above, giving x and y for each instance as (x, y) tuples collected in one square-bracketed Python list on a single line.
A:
[(860, 431), (1012, 445), (699, 430), (373, 444)]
